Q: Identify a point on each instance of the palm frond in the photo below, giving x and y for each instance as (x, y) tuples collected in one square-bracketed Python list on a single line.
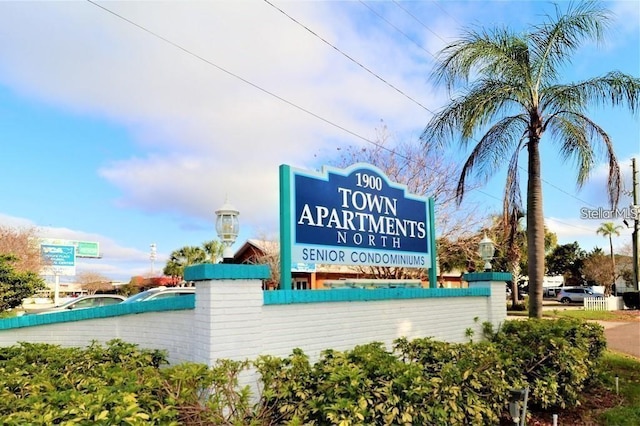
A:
[(583, 140), (488, 53), (486, 100), (489, 153), (614, 88), (553, 41), (512, 203)]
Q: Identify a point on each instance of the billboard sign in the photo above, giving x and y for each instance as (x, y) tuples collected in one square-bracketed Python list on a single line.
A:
[(83, 248), (87, 249), (58, 259)]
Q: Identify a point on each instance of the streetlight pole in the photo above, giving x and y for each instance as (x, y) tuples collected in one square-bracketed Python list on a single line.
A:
[(152, 256), (635, 211)]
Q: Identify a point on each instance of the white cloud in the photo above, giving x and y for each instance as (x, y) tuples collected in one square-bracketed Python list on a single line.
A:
[(206, 133)]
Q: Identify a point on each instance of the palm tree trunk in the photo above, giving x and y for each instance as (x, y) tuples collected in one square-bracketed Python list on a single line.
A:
[(535, 228)]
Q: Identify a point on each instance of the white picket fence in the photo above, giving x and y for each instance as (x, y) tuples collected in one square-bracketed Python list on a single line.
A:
[(611, 303)]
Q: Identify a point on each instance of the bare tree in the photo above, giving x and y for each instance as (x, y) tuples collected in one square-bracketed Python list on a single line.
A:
[(426, 173), (598, 268), (23, 244), (94, 282), (266, 251)]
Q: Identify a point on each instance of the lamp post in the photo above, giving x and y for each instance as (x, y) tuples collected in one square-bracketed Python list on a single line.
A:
[(485, 250), (152, 256), (227, 227)]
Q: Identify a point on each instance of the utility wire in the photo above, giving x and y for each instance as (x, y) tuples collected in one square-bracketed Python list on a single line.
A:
[(418, 20), (437, 35), (337, 49), (396, 28), (290, 103), (244, 80), (207, 61)]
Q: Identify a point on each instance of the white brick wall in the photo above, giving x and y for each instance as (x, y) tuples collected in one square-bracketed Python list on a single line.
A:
[(170, 330), (231, 321)]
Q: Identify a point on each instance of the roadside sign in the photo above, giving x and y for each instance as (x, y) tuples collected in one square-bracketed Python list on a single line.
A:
[(83, 248), (58, 259)]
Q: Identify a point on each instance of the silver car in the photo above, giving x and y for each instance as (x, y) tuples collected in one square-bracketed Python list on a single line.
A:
[(161, 293), (575, 295), (83, 302)]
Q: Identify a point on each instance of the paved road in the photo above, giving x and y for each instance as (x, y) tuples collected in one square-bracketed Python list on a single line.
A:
[(623, 337)]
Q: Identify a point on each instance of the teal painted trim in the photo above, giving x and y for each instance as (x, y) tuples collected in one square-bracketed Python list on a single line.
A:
[(285, 297), (285, 227), (226, 271), (168, 304), (487, 276), (433, 276)]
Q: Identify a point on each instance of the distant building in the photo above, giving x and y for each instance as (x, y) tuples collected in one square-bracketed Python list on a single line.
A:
[(310, 276)]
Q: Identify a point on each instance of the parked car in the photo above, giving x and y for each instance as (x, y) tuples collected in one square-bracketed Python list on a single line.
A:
[(576, 295), (83, 302), (161, 292)]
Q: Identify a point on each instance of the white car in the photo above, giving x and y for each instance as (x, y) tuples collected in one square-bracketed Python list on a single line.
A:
[(161, 292), (575, 295), (83, 302)]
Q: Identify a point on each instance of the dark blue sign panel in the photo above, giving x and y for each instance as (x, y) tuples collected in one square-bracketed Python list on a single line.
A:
[(356, 216)]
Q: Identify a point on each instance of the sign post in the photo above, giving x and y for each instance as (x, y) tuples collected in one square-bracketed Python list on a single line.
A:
[(353, 216), (58, 260)]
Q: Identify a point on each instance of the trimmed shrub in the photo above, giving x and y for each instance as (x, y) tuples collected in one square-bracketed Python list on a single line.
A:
[(557, 358), (47, 384), (422, 381)]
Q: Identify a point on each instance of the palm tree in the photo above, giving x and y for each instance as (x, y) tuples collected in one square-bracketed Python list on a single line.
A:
[(209, 252), (214, 250), (185, 256), (608, 229), (506, 85)]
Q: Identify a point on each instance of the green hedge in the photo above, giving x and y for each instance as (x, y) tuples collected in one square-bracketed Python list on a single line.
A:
[(556, 358), (422, 381)]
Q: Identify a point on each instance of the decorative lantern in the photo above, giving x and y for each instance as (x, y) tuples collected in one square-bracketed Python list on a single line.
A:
[(227, 227), (485, 250)]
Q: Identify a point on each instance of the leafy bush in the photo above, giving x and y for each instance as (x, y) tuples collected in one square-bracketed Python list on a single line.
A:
[(422, 381), (631, 299), (556, 358), (47, 384)]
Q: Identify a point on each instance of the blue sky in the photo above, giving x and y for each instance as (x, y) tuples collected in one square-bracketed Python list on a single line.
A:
[(111, 134)]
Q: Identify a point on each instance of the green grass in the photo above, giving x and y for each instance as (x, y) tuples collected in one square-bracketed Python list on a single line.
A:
[(583, 315), (628, 371), (572, 313)]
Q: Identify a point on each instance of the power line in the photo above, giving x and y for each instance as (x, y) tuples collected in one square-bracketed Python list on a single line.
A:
[(256, 86), (280, 98), (437, 3), (437, 35), (396, 28), (337, 49), (232, 74), (418, 21)]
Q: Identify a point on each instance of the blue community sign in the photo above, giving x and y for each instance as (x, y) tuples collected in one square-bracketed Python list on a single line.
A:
[(353, 216)]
